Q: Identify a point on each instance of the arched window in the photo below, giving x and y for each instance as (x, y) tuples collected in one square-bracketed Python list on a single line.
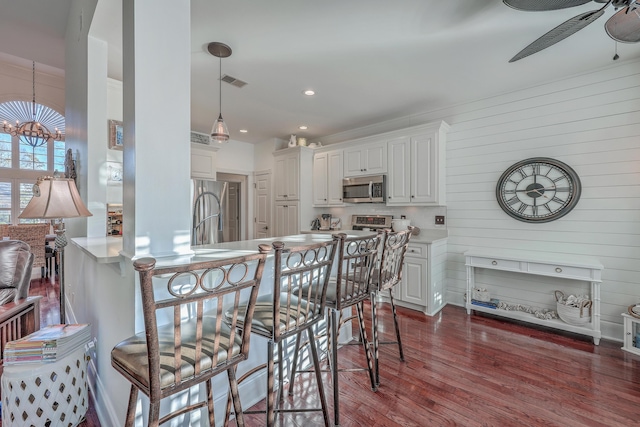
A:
[(20, 163)]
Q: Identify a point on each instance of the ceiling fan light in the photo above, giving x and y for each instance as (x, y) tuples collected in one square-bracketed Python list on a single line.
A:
[(219, 132)]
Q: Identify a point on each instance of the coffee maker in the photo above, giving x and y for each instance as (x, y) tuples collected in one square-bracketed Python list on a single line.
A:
[(325, 221)]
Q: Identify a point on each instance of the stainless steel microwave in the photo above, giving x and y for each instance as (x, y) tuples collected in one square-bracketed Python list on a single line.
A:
[(364, 189)]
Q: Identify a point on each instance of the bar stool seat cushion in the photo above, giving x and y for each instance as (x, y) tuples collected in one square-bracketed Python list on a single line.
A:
[(131, 353), (332, 291), (263, 315)]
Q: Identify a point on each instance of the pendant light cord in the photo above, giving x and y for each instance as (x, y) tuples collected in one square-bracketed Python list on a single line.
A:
[(220, 83), (33, 101)]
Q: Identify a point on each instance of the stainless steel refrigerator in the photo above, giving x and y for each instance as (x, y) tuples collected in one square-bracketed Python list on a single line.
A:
[(207, 208)]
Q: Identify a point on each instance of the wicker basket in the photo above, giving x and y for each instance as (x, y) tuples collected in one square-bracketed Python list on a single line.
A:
[(577, 316), (481, 295)]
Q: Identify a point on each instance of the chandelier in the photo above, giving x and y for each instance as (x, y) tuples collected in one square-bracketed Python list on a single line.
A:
[(32, 132)]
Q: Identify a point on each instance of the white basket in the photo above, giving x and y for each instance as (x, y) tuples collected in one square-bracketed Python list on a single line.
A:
[(577, 316), (480, 295)]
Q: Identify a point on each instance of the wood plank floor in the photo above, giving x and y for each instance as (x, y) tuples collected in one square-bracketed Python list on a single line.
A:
[(466, 371)]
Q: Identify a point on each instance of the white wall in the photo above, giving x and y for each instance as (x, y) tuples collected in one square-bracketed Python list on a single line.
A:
[(590, 122)]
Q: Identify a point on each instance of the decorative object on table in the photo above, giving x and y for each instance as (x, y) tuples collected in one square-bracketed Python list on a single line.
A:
[(540, 313), (46, 394), (634, 310), (315, 224), (315, 144), (116, 135), (200, 138), (219, 132), (491, 303), (55, 199), (302, 142), (31, 130), (573, 309), (114, 173), (49, 344), (623, 26), (400, 224), (70, 165), (480, 294), (538, 189), (293, 141), (336, 223)]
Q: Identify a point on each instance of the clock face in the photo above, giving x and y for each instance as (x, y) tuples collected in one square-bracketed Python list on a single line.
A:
[(538, 190)]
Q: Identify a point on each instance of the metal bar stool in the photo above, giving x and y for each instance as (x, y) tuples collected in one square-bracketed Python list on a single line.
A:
[(350, 287), (389, 273), (192, 343), (297, 304)]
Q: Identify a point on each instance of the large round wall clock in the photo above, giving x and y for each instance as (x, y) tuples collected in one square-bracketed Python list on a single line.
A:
[(538, 190)]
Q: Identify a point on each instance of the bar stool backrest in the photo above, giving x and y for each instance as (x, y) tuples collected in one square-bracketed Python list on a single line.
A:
[(300, 285), (394, 246), (187, 341), (357, 258)]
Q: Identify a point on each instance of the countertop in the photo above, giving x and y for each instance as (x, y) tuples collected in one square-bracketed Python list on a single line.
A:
[(425, 236), (107, 249)]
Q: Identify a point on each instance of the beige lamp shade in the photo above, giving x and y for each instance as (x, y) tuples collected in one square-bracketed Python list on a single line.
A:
[(58, 198)]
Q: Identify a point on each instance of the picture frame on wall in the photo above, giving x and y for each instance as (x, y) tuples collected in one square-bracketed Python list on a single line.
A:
[(116, 136), (114, 173)]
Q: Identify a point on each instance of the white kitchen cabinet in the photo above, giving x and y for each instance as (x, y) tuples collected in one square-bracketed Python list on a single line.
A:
[(366, 159), (292, 178), (287, 174), (327, 178), (203, 161), (422, 286), (287, 218), (416, 173)]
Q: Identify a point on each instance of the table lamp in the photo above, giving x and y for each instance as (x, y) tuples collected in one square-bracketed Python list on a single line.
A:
[(56, 199)]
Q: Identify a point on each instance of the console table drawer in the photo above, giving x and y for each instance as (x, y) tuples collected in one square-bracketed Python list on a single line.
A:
[(499, 264), (561, 271)]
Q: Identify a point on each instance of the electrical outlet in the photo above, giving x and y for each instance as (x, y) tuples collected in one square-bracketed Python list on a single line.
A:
[(439, 219)]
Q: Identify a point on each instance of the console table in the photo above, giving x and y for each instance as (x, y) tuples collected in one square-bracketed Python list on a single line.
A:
[(568, 267)]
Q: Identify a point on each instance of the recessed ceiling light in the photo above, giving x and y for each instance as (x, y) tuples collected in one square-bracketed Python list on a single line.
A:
[(309, 92), (303, 127), (243, 131)]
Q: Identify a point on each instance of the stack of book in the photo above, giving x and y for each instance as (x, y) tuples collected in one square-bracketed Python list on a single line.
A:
[(49, 344), (492, 303)]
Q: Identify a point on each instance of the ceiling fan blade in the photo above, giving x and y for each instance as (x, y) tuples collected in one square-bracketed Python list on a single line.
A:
[(559, 33), (542, 5), (624, 26)]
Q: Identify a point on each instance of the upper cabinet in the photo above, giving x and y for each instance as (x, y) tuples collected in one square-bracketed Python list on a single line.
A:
[(327, 178), (203, 161), (368, 159), (416, 173)]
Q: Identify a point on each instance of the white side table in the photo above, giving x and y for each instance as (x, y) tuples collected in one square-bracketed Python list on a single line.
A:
[(46, 393), (631, 331)]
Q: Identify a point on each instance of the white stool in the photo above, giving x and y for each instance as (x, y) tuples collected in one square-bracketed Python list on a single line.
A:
[(42, 394)]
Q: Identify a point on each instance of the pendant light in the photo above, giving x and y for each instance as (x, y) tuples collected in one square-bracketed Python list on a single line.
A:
[(219, 132)]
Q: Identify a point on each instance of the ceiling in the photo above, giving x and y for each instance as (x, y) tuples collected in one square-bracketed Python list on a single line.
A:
[(367, 60)]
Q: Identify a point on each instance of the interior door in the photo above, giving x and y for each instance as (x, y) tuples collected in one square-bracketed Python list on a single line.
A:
[(262, 221), (232, 213)]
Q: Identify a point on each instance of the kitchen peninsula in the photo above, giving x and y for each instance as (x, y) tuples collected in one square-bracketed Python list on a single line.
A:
[(109, 299)]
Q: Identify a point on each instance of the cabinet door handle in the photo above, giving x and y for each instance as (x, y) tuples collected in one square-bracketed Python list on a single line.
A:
[(494, 262), (558, 270)]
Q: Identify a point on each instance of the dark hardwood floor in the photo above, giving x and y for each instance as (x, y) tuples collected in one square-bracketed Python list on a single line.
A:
[(466, 371)]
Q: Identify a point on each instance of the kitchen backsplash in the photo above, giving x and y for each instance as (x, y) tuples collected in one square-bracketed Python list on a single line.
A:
[(423, 217)]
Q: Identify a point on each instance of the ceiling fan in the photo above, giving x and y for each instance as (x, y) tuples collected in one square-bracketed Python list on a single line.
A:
[(623, 26)]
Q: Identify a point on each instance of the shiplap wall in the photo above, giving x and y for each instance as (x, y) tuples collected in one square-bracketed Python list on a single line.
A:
[(592, 123)]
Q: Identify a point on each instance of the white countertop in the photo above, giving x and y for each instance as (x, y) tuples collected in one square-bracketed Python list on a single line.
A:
[(107, 249), (425, 236)]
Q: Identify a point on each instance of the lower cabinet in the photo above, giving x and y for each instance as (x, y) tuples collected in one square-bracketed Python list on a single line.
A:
[(422, 287), (287, 220)]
